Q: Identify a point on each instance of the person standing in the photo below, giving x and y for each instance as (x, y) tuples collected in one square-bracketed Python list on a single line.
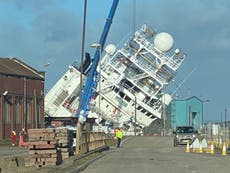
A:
[(119, 135), (13, 138)]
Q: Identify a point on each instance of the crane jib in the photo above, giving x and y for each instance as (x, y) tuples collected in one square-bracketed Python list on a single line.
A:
[(92, 79)]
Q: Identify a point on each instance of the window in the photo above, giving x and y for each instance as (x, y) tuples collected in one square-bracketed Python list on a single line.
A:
[(143, 110), (127, 99)]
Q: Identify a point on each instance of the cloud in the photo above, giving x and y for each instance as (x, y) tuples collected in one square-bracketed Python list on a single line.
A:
[(32, 4), (49, 30), (58, 26)]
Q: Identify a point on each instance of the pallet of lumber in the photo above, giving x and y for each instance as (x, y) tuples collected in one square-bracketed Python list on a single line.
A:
[(49, 146), (44, 134), (42, 147)]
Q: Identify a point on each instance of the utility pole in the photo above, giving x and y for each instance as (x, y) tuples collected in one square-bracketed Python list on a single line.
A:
[(225, 124), (78, 125)]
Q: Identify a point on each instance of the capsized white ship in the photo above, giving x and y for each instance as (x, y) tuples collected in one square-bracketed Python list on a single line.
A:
[(130, 84)]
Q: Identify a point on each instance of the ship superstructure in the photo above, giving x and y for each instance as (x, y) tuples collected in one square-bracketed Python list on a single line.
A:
[(130, 84), (133, 77)]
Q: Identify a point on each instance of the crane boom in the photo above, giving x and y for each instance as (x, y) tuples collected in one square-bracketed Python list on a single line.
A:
[(91, 81)]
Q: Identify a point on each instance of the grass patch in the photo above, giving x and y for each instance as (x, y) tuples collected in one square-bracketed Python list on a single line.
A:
[(5, 142), (66, 167)]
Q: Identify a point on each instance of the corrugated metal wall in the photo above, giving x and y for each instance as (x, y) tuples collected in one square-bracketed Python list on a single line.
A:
[(22, 106)]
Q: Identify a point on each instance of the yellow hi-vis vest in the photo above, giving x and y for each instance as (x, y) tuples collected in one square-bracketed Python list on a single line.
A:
[(119, 134)]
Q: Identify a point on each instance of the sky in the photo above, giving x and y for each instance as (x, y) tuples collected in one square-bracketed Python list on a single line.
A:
[(50, 31)]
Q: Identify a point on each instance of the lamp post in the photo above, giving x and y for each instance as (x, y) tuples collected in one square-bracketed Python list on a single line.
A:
[(98, 46), (163, 116), (225, 124), (202, 116), (135, 114), (163, 113), (135, 109)]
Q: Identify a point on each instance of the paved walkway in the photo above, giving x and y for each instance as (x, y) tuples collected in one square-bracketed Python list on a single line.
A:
[(157, 155)]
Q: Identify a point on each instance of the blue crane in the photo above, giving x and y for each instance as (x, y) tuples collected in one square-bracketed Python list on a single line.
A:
[(92, 78)]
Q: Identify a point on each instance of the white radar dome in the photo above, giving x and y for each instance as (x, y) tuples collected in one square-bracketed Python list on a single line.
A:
[(110, 49), (163, 41)]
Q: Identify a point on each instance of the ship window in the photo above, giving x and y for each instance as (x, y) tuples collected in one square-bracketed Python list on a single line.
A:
[(107, 106), (103, 80), (72, 99), (127, 99), (148, 114), (143, 110), (133, 44), (116, 90), (121, 94), (139, 107)]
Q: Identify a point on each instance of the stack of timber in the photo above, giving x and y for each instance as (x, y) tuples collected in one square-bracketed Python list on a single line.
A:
[(64, 138), (48, 146), (42, 147)]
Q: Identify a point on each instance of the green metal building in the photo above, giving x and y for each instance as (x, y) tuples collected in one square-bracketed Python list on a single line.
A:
[(183, 112)]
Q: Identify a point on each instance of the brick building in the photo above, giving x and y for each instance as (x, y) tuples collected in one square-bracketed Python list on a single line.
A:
[(21, 97)]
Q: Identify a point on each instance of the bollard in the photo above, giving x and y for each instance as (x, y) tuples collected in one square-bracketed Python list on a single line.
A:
[(187, 148), (200, 149), (212, 148), (224, 150)]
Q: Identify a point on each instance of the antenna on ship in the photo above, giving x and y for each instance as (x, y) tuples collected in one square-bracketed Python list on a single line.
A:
[(183, 81), (134, 16)]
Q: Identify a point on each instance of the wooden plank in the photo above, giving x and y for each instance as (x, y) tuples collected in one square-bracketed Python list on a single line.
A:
[(41, 130), (42, 142), (47, 155), (42, 146), (53, 151)]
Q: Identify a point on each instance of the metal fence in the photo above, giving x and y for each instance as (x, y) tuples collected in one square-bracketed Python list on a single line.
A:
[(218, 132)]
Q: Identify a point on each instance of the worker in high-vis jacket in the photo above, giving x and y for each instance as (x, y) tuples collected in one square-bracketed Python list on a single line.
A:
[(119, 135)]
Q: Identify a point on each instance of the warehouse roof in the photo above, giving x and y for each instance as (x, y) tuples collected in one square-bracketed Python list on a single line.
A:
[(15, 67)]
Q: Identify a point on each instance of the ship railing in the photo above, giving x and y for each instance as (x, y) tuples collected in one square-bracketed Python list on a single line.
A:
[(150, 70), (156, 105), (155, 109), (120, 67), (172, 62), (125, 52), (145, 88), (137, 76)]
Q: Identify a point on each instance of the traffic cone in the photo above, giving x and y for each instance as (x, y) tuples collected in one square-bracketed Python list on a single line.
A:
[(187, 148), (212, 148), (200, 149), (224, 150)]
